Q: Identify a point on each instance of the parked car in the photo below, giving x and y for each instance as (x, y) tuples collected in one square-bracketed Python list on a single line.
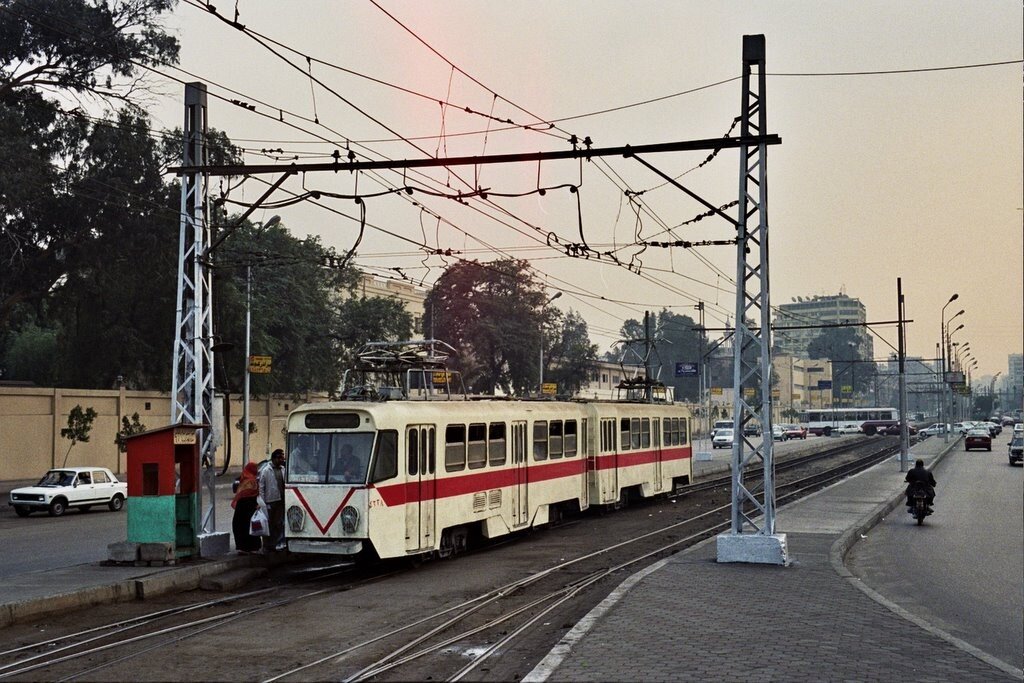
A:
[(70, 487), (934, 429), (978, 438), (723, 438), (1008, 421), (894, 430), (963, 427), (795, 431), (1015, 449), (778, 433)]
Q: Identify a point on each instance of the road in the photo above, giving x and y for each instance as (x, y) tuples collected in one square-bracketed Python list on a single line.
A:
[(962, 571), (40, 542)]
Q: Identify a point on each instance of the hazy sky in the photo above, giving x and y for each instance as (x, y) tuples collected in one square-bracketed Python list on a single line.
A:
[(912, 175)]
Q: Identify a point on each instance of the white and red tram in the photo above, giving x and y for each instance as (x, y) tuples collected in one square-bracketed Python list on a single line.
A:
[(404, 478)]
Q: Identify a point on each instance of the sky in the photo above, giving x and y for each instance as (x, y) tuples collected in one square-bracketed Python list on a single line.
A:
[(915, 175)]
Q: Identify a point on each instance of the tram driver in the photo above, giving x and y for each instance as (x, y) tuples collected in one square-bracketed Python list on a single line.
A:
[(346, 467)]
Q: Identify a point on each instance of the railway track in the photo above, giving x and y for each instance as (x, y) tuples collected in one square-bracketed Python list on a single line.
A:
[(458, 642)]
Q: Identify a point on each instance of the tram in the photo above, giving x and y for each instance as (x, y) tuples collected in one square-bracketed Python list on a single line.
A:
[(412, 468)]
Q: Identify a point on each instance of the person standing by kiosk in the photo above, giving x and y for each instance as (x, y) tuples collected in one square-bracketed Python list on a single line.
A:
[(272, 499)]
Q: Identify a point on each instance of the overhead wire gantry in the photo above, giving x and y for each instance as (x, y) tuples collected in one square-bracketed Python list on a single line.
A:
[(192, 387)]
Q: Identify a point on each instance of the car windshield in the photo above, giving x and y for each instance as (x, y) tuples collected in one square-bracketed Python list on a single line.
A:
[(57, 478)]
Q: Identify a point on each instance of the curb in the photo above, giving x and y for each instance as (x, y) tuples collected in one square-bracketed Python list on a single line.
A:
[(142, 588)]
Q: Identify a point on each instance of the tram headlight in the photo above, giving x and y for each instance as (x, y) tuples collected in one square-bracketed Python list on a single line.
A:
[(296, 518), (349, 519)]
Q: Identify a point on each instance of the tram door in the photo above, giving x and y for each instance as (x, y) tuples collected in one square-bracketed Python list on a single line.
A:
[(520, 502), (420, 465), (656, 442)]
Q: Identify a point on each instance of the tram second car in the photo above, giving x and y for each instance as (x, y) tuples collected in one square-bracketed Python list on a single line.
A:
[(406, 478)]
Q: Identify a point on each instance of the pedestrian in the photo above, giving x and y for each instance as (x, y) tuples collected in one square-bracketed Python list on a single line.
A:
[(245, 505), (272, 499)]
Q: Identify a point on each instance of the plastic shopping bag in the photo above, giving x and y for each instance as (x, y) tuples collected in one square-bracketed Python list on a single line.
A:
[(259, 525)]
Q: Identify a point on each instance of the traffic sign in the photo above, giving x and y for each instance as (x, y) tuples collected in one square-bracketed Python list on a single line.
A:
[(549, 388), (260, 365), (686, 369)]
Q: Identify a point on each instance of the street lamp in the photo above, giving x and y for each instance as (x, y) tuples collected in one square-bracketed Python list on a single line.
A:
[(540, 375), (274, 220), (944, 385)]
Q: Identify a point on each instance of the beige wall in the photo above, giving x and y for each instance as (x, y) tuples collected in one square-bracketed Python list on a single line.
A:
[(31, 420)]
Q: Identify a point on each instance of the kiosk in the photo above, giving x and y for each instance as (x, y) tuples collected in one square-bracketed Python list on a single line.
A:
[(163, 488)]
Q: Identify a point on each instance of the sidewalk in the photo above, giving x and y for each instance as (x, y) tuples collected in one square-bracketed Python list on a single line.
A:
[(688, 618)]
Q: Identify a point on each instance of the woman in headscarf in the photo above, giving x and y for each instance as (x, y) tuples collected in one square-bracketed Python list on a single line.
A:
[(244, 504)]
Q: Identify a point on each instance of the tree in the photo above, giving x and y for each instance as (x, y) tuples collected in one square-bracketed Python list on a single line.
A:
[(294, 309), (128, 428), (571, 356), (492, 314), (79, 426), (32, 355), (368, 319), (52, 52), (677, 339)]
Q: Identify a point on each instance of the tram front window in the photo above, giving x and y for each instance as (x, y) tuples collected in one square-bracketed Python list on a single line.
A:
[(329, 458)]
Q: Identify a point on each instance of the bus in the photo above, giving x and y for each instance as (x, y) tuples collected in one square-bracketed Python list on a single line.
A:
[(825, 421)]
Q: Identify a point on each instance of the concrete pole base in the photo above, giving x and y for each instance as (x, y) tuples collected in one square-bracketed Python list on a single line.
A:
[(753, 548)]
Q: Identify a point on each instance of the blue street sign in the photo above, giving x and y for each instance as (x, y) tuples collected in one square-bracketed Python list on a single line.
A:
[(824, 384), (686, 369)]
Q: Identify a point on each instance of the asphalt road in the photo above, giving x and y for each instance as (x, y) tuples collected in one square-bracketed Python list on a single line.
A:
[(963, 571), (40, 542)]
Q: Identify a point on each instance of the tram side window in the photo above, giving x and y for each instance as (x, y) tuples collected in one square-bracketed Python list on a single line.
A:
[(645, 433), (634, 432), (666, 427), (455, 448), (570, 438), (540, 440), (428, 461), (412, 452), (496, 443), (385, 459), (477, 446), (607, 436), (555, 438), (624, 442)]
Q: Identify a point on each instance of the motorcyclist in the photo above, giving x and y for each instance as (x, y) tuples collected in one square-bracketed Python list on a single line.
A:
[(916, 477)]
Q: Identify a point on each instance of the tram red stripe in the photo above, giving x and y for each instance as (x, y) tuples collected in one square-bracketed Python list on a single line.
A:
[(446, 486)]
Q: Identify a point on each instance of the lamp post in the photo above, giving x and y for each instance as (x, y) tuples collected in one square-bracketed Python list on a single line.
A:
[(942, 341), (540, 374), (274, 220)]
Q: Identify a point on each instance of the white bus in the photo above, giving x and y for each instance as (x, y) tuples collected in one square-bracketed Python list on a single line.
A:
[(825, 421)]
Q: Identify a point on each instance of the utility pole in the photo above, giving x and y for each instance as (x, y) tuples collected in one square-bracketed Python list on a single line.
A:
[(904, 432), (753, 507), (192, 373), (648, 386)]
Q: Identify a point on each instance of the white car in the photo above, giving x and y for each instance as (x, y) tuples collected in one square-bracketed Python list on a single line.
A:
[(70, 487), (934, 430), (722, 439), (849, 429)]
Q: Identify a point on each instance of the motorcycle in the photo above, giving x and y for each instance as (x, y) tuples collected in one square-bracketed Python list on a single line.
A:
[(919, 505)]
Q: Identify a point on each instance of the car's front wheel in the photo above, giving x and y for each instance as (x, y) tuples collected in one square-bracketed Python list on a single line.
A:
[(58, 507), (116, 503), (23, 511)]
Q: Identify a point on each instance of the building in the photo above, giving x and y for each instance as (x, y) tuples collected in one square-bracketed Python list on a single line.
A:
[(804, 314), (799, 384), (1013, 387), (413, 296)]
